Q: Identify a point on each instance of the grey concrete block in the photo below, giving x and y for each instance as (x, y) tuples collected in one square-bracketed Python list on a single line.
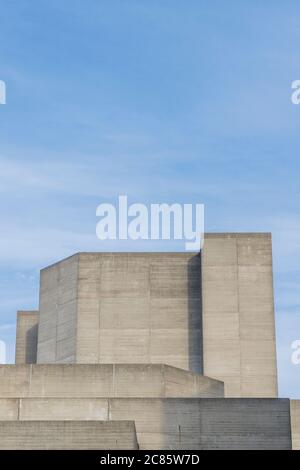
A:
[(104, 380), (15, 380), (239, 345), (67, 435), (58, 312), (207, 423), (9, 409), (175, 423), (27, 337), (183, 384), (122, 307), (71, 409)]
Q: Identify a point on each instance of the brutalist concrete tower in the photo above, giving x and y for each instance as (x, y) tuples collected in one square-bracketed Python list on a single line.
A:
[(151, 351)]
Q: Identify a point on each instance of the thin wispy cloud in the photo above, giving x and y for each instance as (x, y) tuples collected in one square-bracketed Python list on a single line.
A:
[(6, 327)]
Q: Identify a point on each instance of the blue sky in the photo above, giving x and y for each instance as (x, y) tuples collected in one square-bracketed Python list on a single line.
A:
[(165, 101)]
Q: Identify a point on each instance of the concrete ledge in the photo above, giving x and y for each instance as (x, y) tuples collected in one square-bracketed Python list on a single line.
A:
[(174, 423), (67, 435), (237, 235), (104, 380)]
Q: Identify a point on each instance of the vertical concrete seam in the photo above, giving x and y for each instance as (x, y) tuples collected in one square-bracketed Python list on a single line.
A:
[(201, 313), (56, 310), (239, 313), (202, 263), (99, 267), (99, 331), (164, 379), (19, 408), (113, 379), (39, 319), (76, 308), (17, 359), (108, 409), (200, 422), (149, 308), (274, 322), (30, 377), (99, 310), (291, 422)]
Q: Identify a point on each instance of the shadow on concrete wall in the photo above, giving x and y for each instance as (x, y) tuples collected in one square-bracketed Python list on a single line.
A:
[(225, 423), (195, 315), (31, 345)]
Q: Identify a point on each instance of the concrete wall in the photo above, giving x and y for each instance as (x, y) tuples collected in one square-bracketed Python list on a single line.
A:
[(67, 435), (122, 307), (27, 337), (174, 423), (58, 312), (295, 423), (238, 313), (99, 380), (147, 308), (207, 423)]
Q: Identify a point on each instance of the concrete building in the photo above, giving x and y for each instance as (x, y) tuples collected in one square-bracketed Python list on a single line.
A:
[(151, 351), (27, 337)]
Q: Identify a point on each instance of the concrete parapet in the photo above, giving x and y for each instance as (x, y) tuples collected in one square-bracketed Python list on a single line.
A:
[(207, 423), (67, 435), (104, 380), (174, 423)]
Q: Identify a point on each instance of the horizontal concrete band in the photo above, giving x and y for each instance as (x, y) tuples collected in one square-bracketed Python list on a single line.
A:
[(67, 435), (104, 380), (173, 423)]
